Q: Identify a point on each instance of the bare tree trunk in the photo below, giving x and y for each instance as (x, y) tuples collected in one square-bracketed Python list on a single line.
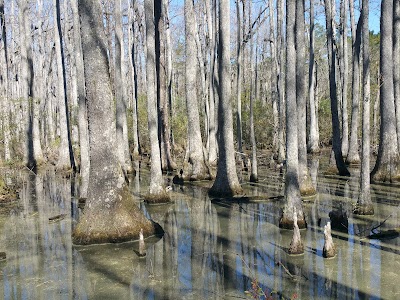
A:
[(110, 214), (281, 89), (254, 168), (313, 146), (336, 144), (226, 181), (344, 75), (212, 142), (353, 156), (195, 167), (396, 65), (134, 77), (157, 191), (82, 110), (65, 154), (4, 84), (387, 163), (364, 203), (239, 60), (293, 210), (120, 92), (306, 186)]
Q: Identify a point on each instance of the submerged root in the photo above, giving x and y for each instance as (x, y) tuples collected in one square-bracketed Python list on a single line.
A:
[(329, 249), (159, 198), (296, 245)]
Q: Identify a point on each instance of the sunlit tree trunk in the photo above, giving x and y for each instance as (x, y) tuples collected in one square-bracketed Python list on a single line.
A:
[(292, 190), (353, 156), (239, 77), (364, 203), (281, 90), (110, 214), (195, 167), (387, 163), (313, 146), (396, 65), (4, 84), (157, 191), (65, 155), (226, 181), (336, 144), (344, 69), (134, 77), (254, 166), (306, 186), (82, 110), (120, 91)]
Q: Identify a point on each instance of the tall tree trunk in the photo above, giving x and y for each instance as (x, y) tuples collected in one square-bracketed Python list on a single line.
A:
[(226, 181), (281, 89), (239, 60), (344, 69), (254, 167), (396, 65), (167, 162), (110, 214), (65, 154), (157, 191), (4, 84), (82, 110), (313, 146), (120, 92), (364, 203), (353, 156), (195, 167), (336, 144), (212, 139), (306, 186), (292, 190), (387, 163), (134, 77)]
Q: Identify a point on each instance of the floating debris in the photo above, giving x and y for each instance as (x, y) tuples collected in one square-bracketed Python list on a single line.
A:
[(57, 218)]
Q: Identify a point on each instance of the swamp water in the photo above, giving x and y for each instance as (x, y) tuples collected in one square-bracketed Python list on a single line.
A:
[(210, 249)]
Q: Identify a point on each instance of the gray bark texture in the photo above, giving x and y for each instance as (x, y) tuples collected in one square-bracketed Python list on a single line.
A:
[(82, 108), (396, 65), (344, 70), (336, 143), (387, 163), (293, 203), (195, 167), (157, 191), (364, 203), (353, 156), (306, 186), (226, 181), (110, 215), (65, 155)]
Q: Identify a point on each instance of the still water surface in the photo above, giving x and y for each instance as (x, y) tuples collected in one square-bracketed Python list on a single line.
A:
[(210, 249)]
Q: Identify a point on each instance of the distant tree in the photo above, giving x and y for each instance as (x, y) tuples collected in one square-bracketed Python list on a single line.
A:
[(364, 203), (110, 214), (157, 191), (293, 204), (387, 163), (195, 167), (337, 160), (226, 181)]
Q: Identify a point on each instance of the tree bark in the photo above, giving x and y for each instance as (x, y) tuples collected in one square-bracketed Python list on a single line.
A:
[(226, 181), (82, 105), (387, 163), (110, 214), (353, 156), (239, 60), (364, 203), (65, 155), (396, 65), (336, 144), (281, 89), (157, 191), (306, 186), (293, 203), (313, 146)]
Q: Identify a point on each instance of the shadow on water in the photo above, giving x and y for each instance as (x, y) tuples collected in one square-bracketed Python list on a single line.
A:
[(211, 248)]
